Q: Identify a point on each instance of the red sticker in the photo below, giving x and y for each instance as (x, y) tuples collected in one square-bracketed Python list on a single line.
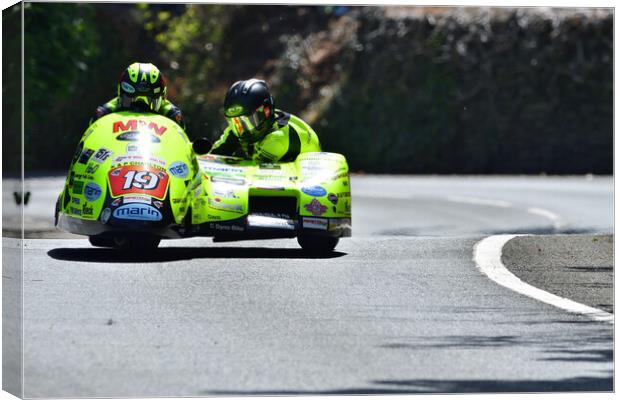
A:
[(316, 208), (132, 179)]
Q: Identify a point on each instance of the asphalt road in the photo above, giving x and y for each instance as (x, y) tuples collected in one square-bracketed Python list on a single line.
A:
[(399, 308)]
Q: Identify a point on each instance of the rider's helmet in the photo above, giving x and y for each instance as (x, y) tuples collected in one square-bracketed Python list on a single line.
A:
[(141, 85), (249, 109)]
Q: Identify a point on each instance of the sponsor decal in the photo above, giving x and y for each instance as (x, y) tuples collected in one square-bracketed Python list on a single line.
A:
[(315, 223), (75, 211), (78, 187), (136, 136), (105, 215), (177, 200), (101, 155), (75, 200), (131, 179), (159, 204), (315, 207), (92, 191), (127, 87), (227, 194), (136, 199), (179, 169), (85, 176), (78, 152), (137, 159), (227, 170), (137, 211), (333, 198), (234, 111), (91, 168), (132, 148), (316, 191), (85, 156), (340, 175), (116, 202), (269, 166), (224, 206), (344, 194), (138, 124), (225, 179), (222, 227), (339, 223), (86, 209)]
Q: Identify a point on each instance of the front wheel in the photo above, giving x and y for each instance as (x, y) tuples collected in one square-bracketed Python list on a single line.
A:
[(317, 244), (136, 244), (101, 241)]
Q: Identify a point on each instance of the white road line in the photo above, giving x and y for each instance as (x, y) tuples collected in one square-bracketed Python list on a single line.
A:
[(557, 221), (479, 201), (488, 258)]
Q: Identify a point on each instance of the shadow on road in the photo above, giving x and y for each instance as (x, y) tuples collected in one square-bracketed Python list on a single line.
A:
[(105, 255), (577, 384)]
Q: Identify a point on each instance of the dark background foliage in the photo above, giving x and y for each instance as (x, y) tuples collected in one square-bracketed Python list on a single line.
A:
[(395, 89)]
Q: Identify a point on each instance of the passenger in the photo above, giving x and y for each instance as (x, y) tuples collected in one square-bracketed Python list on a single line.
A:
[(257, 130)]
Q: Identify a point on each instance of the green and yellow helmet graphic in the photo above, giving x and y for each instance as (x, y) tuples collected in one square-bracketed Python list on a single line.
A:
[(142, 83)]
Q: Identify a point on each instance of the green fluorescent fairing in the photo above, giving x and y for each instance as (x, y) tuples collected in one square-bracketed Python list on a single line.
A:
[(160, 144), (319, 182)]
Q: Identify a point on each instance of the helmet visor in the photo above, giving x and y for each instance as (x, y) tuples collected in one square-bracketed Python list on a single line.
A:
[(247, 125), (152, 103)]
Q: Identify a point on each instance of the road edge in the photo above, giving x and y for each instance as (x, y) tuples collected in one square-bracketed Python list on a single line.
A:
[(488, 258)]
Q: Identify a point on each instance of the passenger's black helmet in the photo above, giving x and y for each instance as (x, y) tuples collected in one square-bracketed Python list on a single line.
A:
[(249, 109)]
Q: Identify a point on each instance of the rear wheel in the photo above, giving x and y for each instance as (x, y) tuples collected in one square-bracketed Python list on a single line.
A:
[(317, 244)]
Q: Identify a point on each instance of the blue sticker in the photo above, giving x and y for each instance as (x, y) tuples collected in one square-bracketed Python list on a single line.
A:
[(137, 211), (92, 191), (105, 215), (127, 87), (179, 169), (316, 191)]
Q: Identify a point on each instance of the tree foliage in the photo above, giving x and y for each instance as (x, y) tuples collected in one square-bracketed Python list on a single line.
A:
[(459, 91)]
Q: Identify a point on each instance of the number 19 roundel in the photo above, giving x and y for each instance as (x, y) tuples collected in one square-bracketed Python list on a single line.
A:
[(132, 179)]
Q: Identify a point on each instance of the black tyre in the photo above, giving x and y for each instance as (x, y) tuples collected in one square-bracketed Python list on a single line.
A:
[(136, 244), (56, 211), (317, 244), (101, 241)]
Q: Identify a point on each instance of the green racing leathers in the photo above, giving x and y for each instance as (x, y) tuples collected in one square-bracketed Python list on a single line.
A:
[(289, 137)]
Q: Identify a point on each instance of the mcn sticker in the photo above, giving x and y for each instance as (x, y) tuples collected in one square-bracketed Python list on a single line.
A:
[(133, 179)]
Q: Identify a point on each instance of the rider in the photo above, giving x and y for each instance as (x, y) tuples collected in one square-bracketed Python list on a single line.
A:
[(141, 86), (257, 130)]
